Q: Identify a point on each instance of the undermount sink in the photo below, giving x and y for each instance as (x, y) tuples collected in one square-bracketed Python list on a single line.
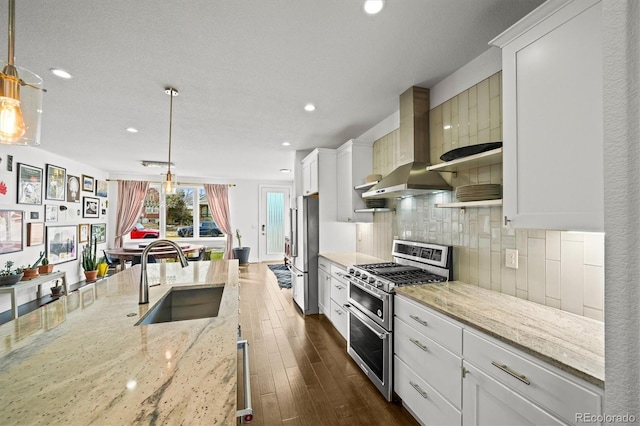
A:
[(185, 303)]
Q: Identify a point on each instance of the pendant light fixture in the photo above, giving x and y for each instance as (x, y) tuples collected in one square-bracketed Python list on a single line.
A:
[(169, 182), (20, 113)]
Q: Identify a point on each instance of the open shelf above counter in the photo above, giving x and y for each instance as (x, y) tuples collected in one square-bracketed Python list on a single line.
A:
[(365, 185), (462, 205), (375, 210), (477, 160)]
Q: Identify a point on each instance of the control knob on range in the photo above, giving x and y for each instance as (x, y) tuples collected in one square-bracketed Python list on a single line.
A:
[(364, 277), (372, 281)]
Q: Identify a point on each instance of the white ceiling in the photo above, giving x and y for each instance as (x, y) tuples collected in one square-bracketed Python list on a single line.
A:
[(244, 69)]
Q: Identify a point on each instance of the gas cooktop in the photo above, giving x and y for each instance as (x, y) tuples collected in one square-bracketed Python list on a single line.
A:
[(416, 263)]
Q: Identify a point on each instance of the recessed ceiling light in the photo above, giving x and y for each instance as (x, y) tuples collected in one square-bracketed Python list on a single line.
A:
[(285, 144), (309, 107), (372, 7), (59, 72), (132, 130), (285, 170)]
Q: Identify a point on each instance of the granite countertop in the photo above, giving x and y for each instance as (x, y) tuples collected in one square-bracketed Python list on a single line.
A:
[(81, 359), (570, 342), (346, 259)]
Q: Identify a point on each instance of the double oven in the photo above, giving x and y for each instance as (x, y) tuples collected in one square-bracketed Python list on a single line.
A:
[(370, 304)]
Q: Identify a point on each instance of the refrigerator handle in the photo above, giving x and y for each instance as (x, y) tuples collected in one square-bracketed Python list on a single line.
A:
[(293, 220)]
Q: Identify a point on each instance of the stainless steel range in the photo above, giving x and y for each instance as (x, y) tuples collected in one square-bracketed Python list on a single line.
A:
[(370, 303)]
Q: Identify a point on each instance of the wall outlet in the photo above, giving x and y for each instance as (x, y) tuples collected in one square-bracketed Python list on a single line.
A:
[(511, 258)]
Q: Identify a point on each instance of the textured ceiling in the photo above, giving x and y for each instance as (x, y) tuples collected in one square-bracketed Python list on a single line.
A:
[(244, 69)]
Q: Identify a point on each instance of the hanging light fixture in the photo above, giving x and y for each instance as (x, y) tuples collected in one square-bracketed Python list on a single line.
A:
[(20, 114), (169, 182)]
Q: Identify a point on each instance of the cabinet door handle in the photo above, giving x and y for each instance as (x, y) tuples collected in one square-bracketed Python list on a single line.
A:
[(338, 311), (417, 388), (418, 319), (509, 371), (418, 344), (338, 286)]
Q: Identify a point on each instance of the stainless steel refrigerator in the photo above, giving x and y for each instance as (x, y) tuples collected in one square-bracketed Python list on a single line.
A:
[(303, 260)]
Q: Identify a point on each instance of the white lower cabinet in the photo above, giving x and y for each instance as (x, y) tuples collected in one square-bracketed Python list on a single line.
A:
[(339, 295), (324, 283), (488, 402), (423, 401), (333, 290), (447, 372)]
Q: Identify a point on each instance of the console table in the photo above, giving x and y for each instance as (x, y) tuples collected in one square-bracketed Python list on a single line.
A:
[(41, 279)]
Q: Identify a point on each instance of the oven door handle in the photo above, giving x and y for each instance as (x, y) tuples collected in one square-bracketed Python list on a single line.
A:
[(365, 321)]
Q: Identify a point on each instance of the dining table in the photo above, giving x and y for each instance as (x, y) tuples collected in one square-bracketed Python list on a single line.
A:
[(131, 252)]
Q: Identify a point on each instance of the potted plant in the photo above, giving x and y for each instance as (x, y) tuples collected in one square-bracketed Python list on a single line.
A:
[(241, 253), (103, 267), (9, 275), (31, 272), (45, 267), (90, 261), (56, 291)]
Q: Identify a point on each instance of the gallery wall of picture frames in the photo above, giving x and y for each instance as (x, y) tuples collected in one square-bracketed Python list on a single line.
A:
[(44, 220)]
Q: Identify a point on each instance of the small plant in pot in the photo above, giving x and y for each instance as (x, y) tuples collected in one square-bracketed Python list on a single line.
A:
[(56, 291), (90, 261), (45, 267), (241, 253), (10, 275), (31, 272)]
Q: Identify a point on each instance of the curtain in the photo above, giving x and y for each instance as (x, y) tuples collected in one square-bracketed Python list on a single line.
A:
[(131, 196), (218, 199)]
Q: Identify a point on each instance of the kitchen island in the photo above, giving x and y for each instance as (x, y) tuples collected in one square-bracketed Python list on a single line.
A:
[(82, 359)]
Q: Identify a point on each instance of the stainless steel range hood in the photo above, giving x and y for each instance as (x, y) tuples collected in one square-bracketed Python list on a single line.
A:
[(412, 178)]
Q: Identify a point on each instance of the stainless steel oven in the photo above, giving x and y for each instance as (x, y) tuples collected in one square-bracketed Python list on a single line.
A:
[(375, 303), (371, 347), (370, 304)]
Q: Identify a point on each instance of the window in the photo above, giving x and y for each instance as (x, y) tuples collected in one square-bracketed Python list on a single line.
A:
[(185, 214)]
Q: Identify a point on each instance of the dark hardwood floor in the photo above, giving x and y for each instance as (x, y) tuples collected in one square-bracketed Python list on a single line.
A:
[(301, 373)]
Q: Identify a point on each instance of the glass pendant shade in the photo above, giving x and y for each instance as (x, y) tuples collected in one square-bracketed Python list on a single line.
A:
[(20, 106), (169, 184)]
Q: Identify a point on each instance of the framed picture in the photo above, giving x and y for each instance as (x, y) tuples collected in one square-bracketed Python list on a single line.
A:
[(62, 244), (56, 183), (87, 183), (35, 234), (99, 232), (90, 207), (102, 188), (34, 215), (73, 189), (10, 231), (50, 213), (29, 184), (83, 232)]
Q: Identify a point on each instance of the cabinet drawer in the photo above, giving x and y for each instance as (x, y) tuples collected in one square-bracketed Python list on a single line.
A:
[(432, 362), (548, 388), (429, 323), (324, 264), (339, 273), (339, 291), (339, 318), (423, 401)]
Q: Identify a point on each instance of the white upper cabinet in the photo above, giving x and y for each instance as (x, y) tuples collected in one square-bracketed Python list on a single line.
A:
[(310, 173), (354, 163), (553, 119)]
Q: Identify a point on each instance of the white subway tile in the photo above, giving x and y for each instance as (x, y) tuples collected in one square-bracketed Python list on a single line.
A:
[(594, 314), (572, 276), (553, 245), (554, 303), (571, 236), (522, 277), (594, 249), (594, 287), (536, 270), (508, 281), (552, 274)]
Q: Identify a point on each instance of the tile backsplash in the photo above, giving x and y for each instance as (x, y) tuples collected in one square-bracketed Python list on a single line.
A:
[(564, 270)]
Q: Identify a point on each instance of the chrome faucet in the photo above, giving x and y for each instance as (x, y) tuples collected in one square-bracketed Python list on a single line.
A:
[(144, 283)]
